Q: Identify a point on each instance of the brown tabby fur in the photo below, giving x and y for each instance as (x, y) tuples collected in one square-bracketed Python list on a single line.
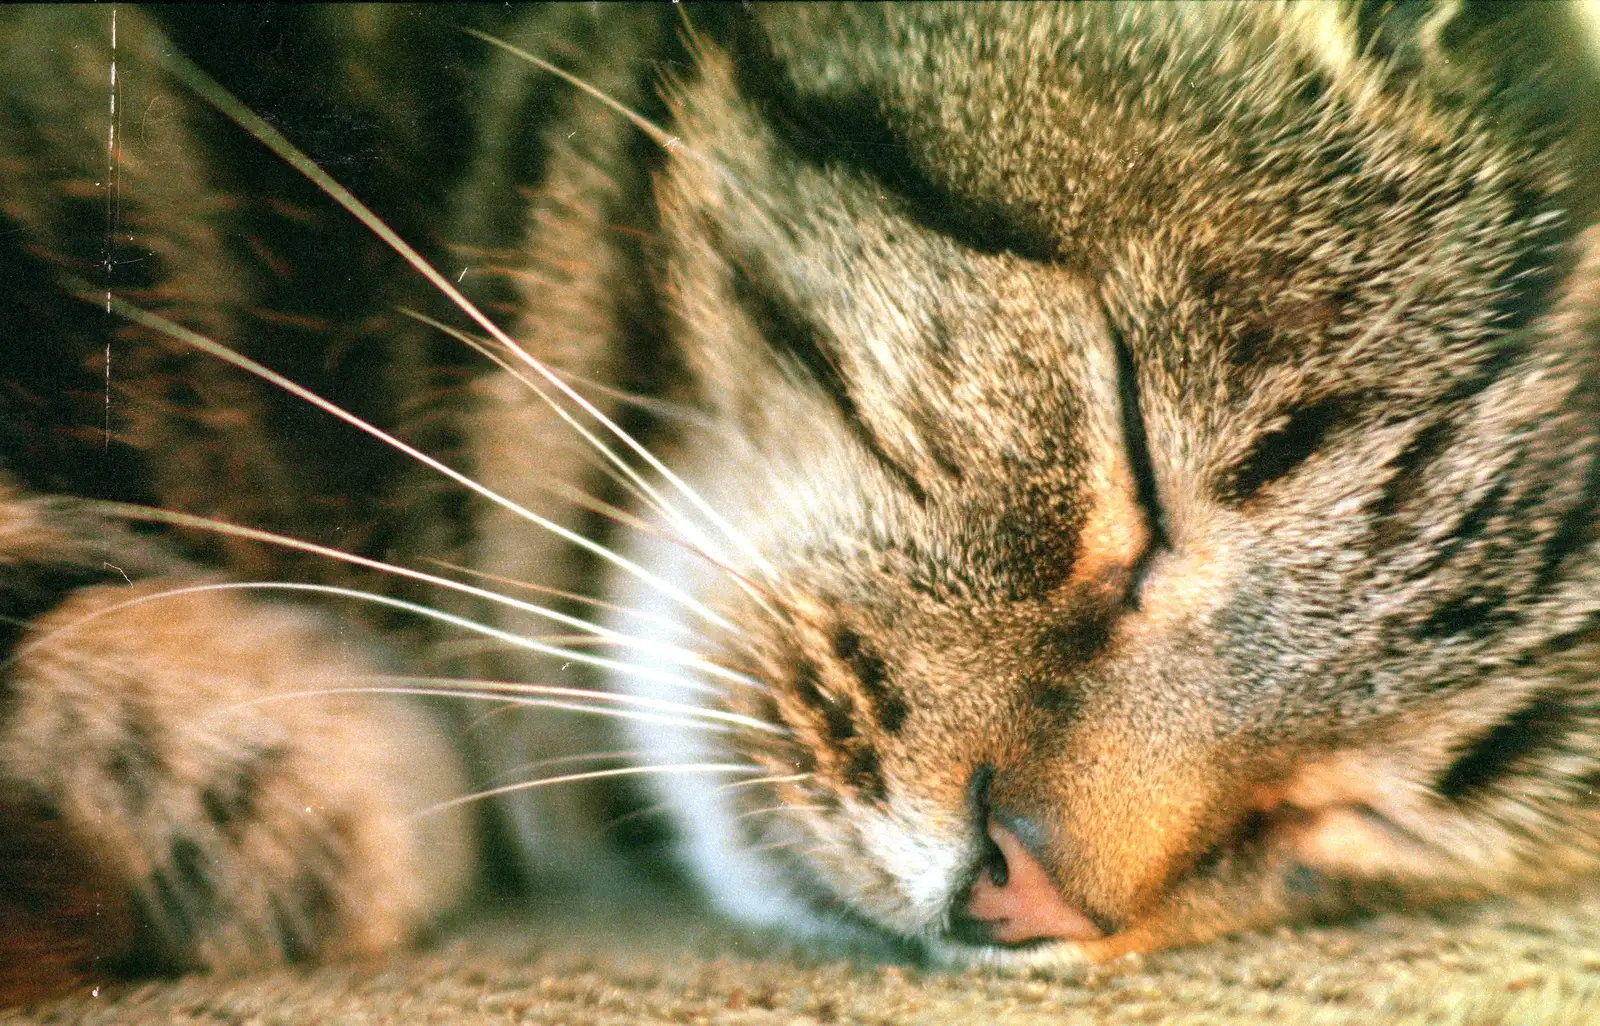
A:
[(1172, 430)]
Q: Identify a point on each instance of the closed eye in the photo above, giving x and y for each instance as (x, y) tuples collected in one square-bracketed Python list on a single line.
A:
[(1137, 446)]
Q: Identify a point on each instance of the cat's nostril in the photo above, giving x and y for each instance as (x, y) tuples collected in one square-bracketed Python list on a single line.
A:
[(1013, 898), (1020, 902), (992, 862)]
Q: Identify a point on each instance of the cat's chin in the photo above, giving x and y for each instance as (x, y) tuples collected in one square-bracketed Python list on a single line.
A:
[(1053, 957)]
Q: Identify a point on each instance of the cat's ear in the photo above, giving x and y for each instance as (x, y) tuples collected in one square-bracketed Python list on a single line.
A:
[(1536, 61), (1531, 68)]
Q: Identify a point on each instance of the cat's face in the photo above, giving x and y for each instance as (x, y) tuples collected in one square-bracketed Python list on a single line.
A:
[(1130, 422)]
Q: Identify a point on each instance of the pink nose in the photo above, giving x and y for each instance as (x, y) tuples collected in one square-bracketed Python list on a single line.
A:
[(1027, 906)]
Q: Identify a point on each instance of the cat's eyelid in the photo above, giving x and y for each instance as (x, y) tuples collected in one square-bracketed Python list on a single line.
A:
[(1136, 446)]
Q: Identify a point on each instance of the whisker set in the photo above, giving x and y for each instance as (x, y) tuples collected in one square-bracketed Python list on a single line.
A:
[(663, 662)]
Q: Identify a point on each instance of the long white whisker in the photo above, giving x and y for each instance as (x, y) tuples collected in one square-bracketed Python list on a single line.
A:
[(481, 696), (221, 352), (514, 640), (544, 589), (590, 694), (579, 640), (578, 497), (781, 808), (681, 656), (779, 845), (674, 145), (572, 778), (786, 779), (655, 807), (625, 474), (666, 409), (689, 531), (205, 86), (670, 143), (566, 760)]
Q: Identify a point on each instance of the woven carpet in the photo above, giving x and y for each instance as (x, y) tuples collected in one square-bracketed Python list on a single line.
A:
[(659, 960)]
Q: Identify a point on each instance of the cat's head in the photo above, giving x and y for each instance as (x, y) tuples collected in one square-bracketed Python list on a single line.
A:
[(1123, 410)]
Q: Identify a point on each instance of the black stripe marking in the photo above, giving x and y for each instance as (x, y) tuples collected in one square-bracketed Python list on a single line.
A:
[(133, 763), (230, 799), (851, 131), (837, 718), (864, 774), (1278, 452), (1469, 528), (1539, 724), (1061, 703), (306, 913), (1391, 31), (1407, 472), (1077, 637), (873, 673), (1474, 616), (1559, 646), (1577, 530), (1136, 444), (793, 337)]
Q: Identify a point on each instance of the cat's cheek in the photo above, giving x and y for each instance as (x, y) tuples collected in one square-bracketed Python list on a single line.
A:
[(1349, 843)]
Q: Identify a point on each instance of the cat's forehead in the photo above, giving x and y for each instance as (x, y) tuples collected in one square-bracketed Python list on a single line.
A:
[(1210, 175), (1047, 126)]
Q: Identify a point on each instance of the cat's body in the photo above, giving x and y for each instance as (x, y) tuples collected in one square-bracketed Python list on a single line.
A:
[(1152, 453)]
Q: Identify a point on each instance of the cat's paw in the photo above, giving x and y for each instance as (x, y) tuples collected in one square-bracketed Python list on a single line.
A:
[(218, 795)]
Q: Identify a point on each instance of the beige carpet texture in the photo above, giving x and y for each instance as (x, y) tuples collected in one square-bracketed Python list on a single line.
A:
[(1532, 960)]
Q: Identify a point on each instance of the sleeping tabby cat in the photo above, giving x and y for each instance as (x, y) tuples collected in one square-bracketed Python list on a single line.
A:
[(1121, 474)]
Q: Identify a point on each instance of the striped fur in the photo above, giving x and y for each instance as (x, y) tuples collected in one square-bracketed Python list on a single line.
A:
[(1173, 430)]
